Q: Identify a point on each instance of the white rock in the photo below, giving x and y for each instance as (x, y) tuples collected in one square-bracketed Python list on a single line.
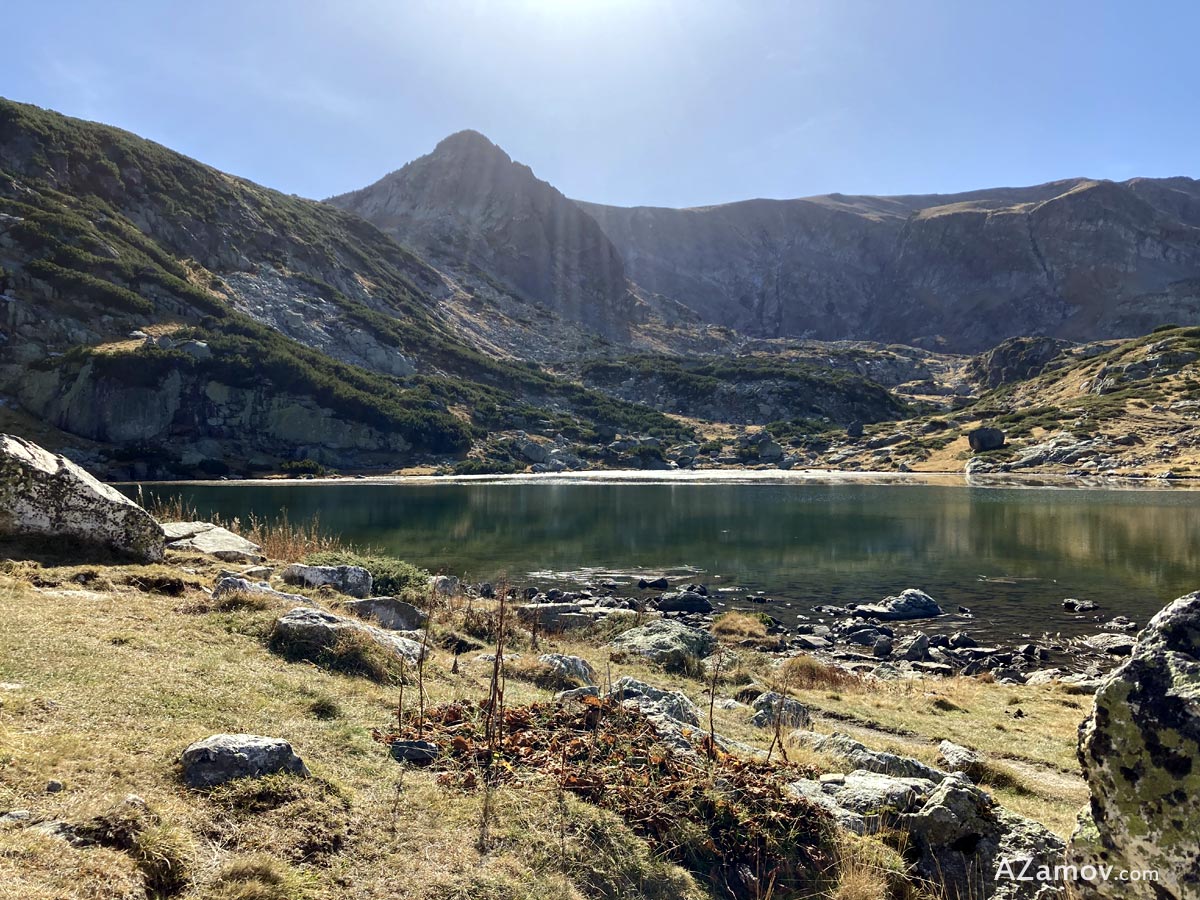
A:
[(48, 495)]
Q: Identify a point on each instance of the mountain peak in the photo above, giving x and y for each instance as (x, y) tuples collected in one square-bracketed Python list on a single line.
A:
[(468, 143)]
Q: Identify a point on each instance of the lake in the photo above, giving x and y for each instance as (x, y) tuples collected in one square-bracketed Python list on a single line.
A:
[(1009, 554)]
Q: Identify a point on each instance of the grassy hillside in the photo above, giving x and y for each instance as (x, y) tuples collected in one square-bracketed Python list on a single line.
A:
[(103, 233)]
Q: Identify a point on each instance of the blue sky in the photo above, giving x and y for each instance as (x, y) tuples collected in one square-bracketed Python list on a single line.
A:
[(659, 102)]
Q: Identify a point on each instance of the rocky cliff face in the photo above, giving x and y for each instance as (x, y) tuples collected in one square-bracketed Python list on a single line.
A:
[(469, 205), (1078, 259)]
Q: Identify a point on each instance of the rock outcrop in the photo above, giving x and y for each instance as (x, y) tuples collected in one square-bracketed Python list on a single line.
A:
[(1140, 750), (225, 757), (49, 496)]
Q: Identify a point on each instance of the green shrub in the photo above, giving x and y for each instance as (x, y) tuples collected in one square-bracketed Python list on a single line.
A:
[(391, 576), (295, 467)]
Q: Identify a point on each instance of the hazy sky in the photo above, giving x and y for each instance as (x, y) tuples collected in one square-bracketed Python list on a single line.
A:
[(661, 102)]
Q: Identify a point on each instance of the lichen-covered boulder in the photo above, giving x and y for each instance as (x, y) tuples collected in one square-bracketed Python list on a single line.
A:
[(1140, 752), (666, 642), (47, 495), (353, 581), (224, 757)]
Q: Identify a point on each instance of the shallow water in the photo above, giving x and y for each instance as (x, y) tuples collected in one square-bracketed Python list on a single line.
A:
[(1009, 554)]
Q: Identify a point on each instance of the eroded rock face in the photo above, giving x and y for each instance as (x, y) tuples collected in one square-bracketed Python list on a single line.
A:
[(224, 757), (1139, 750), (44, 494)]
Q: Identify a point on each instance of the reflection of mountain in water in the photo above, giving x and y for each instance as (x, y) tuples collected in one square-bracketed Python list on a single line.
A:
[(805, 543)]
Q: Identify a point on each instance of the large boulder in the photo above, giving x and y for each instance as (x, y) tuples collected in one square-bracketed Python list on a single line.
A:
[(46, 495), (958, 838), (224, 757), (652, 700), (353, 581), (306, 632), (685, 601), (212, 540), (1139, 750), (666, 642), (982, 440), (908, 604)]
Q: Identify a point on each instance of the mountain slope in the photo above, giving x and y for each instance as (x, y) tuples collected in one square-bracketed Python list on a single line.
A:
[(1077, 259), (467, 203), (189, 320)]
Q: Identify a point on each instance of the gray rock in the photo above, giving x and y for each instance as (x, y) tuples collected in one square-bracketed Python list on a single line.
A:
[(1116, 644), (575, 667), (579, 693), (211, 540), (306, 632), (666, 642), (1139, 749), (909, 604), (961, 759), (419, 753), (388, 612), (882, 647), (685, 601), (985, 439), (554, 617), (445, 585), (532, 451), (46, 495), (652, 700), (859, 756), (1073, 605), (771, 708), (235, 585), (224, 757), (917, 648), (353, 581)]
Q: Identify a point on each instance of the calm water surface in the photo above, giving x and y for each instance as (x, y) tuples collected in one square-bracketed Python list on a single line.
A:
[(1009, 554)]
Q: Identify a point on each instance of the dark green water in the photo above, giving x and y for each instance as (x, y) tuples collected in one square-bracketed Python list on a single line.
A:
[(1011, 555)]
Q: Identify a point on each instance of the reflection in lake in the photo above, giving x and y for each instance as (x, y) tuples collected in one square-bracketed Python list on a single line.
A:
[(1011, 555)]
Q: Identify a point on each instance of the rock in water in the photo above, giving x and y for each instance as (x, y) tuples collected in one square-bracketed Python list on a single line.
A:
[(985, 439), (224, 757), (353, 581), (1139, 750), (909, 604), (44, 494), (685, 601)]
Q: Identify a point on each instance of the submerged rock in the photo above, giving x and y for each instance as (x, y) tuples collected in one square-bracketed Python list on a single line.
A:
[(1139, 751), (224, 757), (46, 495)]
